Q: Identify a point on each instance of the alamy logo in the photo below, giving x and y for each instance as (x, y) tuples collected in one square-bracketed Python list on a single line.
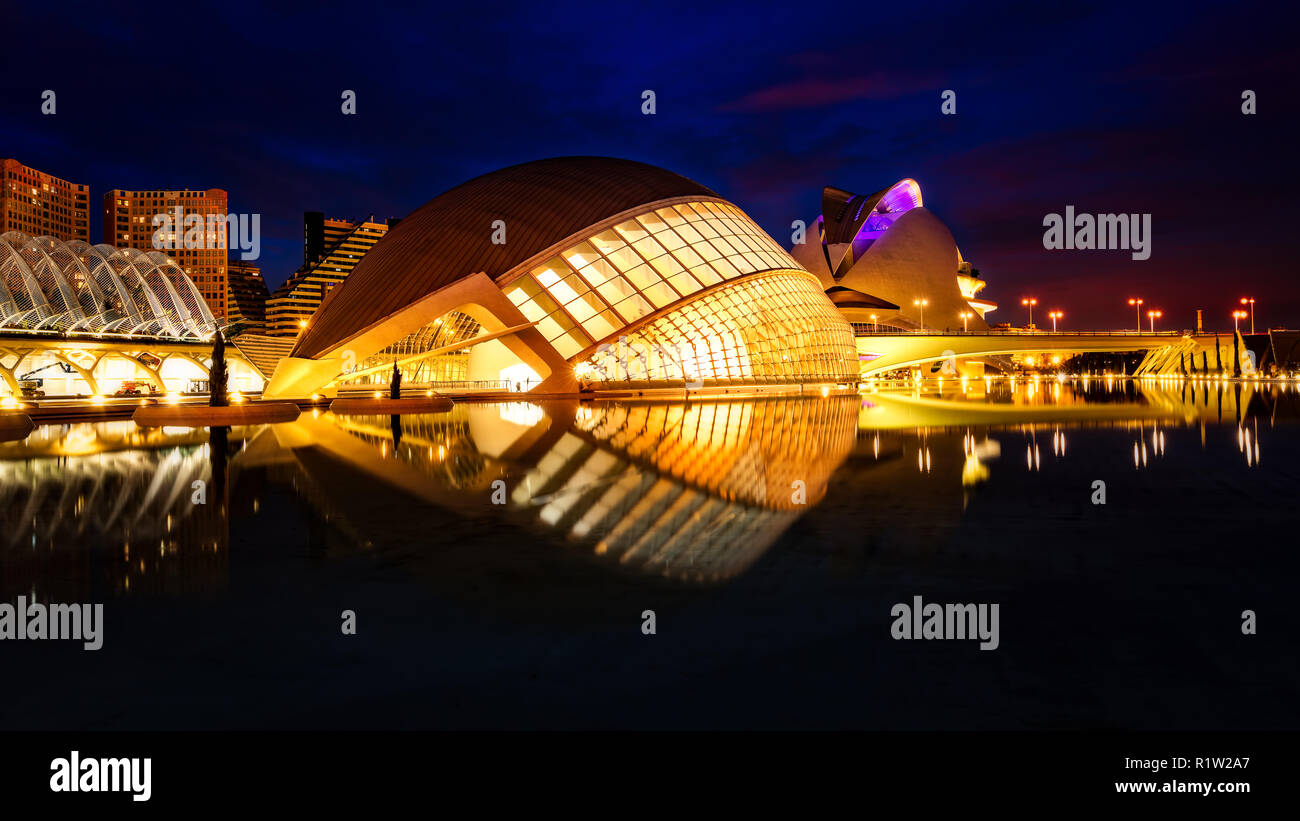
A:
[(75, 774), (1102, 232), (632, 359), (234, 232), (950, 621), (57, 622)]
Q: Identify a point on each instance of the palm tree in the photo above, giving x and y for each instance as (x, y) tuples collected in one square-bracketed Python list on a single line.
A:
[(395, 385), (217, 373)]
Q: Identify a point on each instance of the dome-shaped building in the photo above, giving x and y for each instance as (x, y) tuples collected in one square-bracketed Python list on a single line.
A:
[(567, 272), (878, 255)]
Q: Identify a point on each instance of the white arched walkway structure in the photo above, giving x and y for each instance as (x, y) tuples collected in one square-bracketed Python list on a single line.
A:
[(48, 284)]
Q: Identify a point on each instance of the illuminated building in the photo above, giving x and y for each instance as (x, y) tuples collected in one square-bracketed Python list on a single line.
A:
[(129, 223), (246, 296), (77, 319), (885, 255), (41, 204), (331, 250), (569, 272)]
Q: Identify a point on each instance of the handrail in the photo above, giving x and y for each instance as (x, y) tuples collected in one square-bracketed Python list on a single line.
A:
[(890, 331)]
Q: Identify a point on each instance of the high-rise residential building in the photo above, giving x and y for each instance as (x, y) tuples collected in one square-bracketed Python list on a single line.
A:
[(331, 249), (129, 223), (246, 296), (320, 234), (41, 204)]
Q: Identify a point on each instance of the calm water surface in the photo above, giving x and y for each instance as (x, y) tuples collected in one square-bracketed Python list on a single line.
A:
[(499, 559)]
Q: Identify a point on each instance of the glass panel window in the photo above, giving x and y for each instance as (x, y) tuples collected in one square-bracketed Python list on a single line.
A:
[(666, 265), (660, 294), (631, 231), (688, 257), (670, 240), (634, 307), (706, 275), (607, 242), (602, 324), (689, 234), (550, 328), (552, 272), (670, 216), (522, 290), (728, 246), (585, 307), (616, 290), (624, 258), (642, 276), (648, 248), (652, 222), (684, 283), (706, 250), (570, 344), (568, 288), (581, 254), (598, 272), (538, 307), (725, 268), (744, 263)]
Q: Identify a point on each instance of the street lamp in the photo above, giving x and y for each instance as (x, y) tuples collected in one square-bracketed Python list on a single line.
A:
[(1138, 304), (1055, 315), (965, 318), (922, 303), (1031, 302), (1153, 316), (873, 323), (1237, 316), (1251, 302)]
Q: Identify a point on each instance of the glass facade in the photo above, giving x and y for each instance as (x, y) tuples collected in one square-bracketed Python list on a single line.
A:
[(778, 327), (599, 286), (453, 328)]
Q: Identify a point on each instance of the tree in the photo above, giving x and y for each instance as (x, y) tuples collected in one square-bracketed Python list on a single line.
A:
[(217, 373), (395, 386)]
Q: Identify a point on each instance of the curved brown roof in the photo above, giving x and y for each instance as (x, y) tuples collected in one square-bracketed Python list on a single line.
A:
[(450, 236)]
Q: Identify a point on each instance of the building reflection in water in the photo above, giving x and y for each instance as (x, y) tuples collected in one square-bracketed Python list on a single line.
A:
[(692, 492), (141, 506), (1018, 408)]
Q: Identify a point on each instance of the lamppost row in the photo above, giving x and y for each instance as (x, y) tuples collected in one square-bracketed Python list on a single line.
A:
[(1237, 316)]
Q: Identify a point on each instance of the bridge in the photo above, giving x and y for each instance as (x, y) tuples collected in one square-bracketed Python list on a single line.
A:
[(889, 349)]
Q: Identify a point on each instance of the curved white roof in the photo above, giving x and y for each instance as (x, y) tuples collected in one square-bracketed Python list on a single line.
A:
[(49, 284)]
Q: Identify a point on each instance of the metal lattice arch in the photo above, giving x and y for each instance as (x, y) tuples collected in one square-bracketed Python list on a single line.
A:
[(51, 285)]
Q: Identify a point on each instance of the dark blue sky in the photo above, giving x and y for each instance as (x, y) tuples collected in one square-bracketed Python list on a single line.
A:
[(1107, 107)]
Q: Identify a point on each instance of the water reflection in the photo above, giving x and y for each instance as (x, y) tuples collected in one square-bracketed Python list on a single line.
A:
[(148, 504), (693, 493)]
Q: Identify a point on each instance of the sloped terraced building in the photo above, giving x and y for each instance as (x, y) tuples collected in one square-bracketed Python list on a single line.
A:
[(570, 272), (332, 249)]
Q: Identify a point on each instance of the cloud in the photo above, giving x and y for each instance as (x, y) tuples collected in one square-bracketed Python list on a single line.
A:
[(817, 92)]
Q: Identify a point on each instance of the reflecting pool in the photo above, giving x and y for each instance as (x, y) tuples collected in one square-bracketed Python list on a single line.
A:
[(499, 561)]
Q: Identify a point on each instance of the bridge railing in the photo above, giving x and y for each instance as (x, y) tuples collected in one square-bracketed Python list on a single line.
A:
[(865, 329)]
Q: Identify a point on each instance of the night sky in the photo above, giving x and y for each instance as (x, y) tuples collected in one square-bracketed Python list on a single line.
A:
[(1110, 108)]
